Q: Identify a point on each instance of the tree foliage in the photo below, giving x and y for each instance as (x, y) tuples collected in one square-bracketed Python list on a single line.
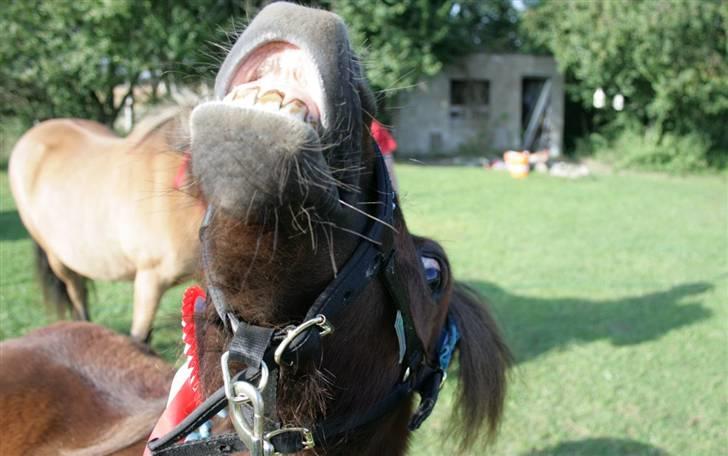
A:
[(401, 41), (66, 57), (667, 57)]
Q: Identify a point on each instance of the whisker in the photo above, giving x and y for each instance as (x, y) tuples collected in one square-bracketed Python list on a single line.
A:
[(255, 256), (347, 230), (330, 241), (310, 227), (275, 236), (368, 215)]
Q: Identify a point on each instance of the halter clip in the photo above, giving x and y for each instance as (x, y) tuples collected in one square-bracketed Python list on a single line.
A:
[(240, 393), (318, 320)]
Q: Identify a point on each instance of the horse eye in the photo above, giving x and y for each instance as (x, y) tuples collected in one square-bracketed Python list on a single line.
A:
[(433, 274)]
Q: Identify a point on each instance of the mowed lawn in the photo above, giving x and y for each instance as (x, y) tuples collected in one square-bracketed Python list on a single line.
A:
[(612, 292)]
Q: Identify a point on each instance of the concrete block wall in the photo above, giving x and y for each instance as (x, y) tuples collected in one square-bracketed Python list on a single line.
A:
[(423, 123)]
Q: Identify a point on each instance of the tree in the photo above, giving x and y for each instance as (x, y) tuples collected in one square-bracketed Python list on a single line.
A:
[(667, 57), (66, 57), (402, 41)]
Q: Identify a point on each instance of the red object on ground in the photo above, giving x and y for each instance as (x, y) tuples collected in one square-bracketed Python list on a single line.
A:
[(383, 137), (185, 394)]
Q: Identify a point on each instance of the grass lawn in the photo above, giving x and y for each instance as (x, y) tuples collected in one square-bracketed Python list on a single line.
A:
[(612, 291)]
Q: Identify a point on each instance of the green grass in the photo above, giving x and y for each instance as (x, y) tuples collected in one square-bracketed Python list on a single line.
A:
[(612, 292)]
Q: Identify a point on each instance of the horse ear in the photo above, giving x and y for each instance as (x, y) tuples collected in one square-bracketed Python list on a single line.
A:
[(484, 361)]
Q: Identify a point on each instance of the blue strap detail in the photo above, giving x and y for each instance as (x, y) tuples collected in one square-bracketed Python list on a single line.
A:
[(401, 339), (448, 341)]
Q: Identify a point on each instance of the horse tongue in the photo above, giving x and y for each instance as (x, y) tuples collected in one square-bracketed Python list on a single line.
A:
[(184, 395), (248, 160)]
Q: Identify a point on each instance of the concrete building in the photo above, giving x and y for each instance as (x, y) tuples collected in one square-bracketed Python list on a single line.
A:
[(486, 103)]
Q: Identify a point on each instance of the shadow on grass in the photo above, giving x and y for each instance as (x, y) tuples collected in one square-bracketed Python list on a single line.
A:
[(534, 326), (11, 228), (599, 447)]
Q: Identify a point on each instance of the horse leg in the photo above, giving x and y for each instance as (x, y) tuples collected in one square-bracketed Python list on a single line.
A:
[(75, 287), (148, 290)]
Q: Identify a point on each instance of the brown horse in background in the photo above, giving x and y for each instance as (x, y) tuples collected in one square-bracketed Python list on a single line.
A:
[(103, 207), (76, 388), (285, 158)]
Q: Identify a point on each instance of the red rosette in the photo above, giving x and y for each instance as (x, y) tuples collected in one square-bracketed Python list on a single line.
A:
[(185, 393), (180, 179), (189, 336)]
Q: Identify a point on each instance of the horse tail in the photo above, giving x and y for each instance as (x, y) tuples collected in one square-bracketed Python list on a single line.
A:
[(55, 291), (484, 362)]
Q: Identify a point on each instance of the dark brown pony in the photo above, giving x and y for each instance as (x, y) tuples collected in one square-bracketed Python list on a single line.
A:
[(287, 161)]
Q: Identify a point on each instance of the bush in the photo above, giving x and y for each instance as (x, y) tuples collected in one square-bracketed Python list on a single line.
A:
[(11, 128), (648, 150), (666, 57)]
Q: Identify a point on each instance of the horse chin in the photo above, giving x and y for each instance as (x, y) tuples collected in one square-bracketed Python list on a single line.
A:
[(249, 161)]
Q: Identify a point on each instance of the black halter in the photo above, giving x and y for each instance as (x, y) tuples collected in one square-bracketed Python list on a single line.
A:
[(258, 346)]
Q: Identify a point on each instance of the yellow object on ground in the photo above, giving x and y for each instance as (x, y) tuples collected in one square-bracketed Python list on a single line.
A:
[(517, 163)]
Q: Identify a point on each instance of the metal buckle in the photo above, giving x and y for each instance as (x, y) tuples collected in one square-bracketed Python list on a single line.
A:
[(240, 393), (306, 436), (318, 320)]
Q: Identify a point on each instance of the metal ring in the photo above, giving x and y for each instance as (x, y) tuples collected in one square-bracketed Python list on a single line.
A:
[(319, 320), (229, 385), (306, 435)]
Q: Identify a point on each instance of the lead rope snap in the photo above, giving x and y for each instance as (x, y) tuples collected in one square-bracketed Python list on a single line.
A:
[(240, 393)]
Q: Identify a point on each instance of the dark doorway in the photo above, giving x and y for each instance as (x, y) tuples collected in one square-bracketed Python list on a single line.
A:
[(530, 90)]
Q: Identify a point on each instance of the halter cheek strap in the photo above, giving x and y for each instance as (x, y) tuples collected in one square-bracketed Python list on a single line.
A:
[(248, 394)]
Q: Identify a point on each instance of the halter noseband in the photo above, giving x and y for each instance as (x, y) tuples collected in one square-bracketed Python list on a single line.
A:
[(248, 392)]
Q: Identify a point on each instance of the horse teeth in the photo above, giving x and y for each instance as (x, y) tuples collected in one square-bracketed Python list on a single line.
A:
[(271, 100), (242, 95), (296, 109), (247, 96)]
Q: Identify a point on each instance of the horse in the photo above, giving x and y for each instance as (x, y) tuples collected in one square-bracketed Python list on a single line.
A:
[(323, 317), (103, 207), (79, 388)]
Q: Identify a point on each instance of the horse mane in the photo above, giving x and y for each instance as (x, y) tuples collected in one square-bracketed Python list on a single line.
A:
[(177, 114)]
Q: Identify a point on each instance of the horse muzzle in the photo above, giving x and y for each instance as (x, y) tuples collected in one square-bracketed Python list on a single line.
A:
[(249, 160), (287, 128)]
